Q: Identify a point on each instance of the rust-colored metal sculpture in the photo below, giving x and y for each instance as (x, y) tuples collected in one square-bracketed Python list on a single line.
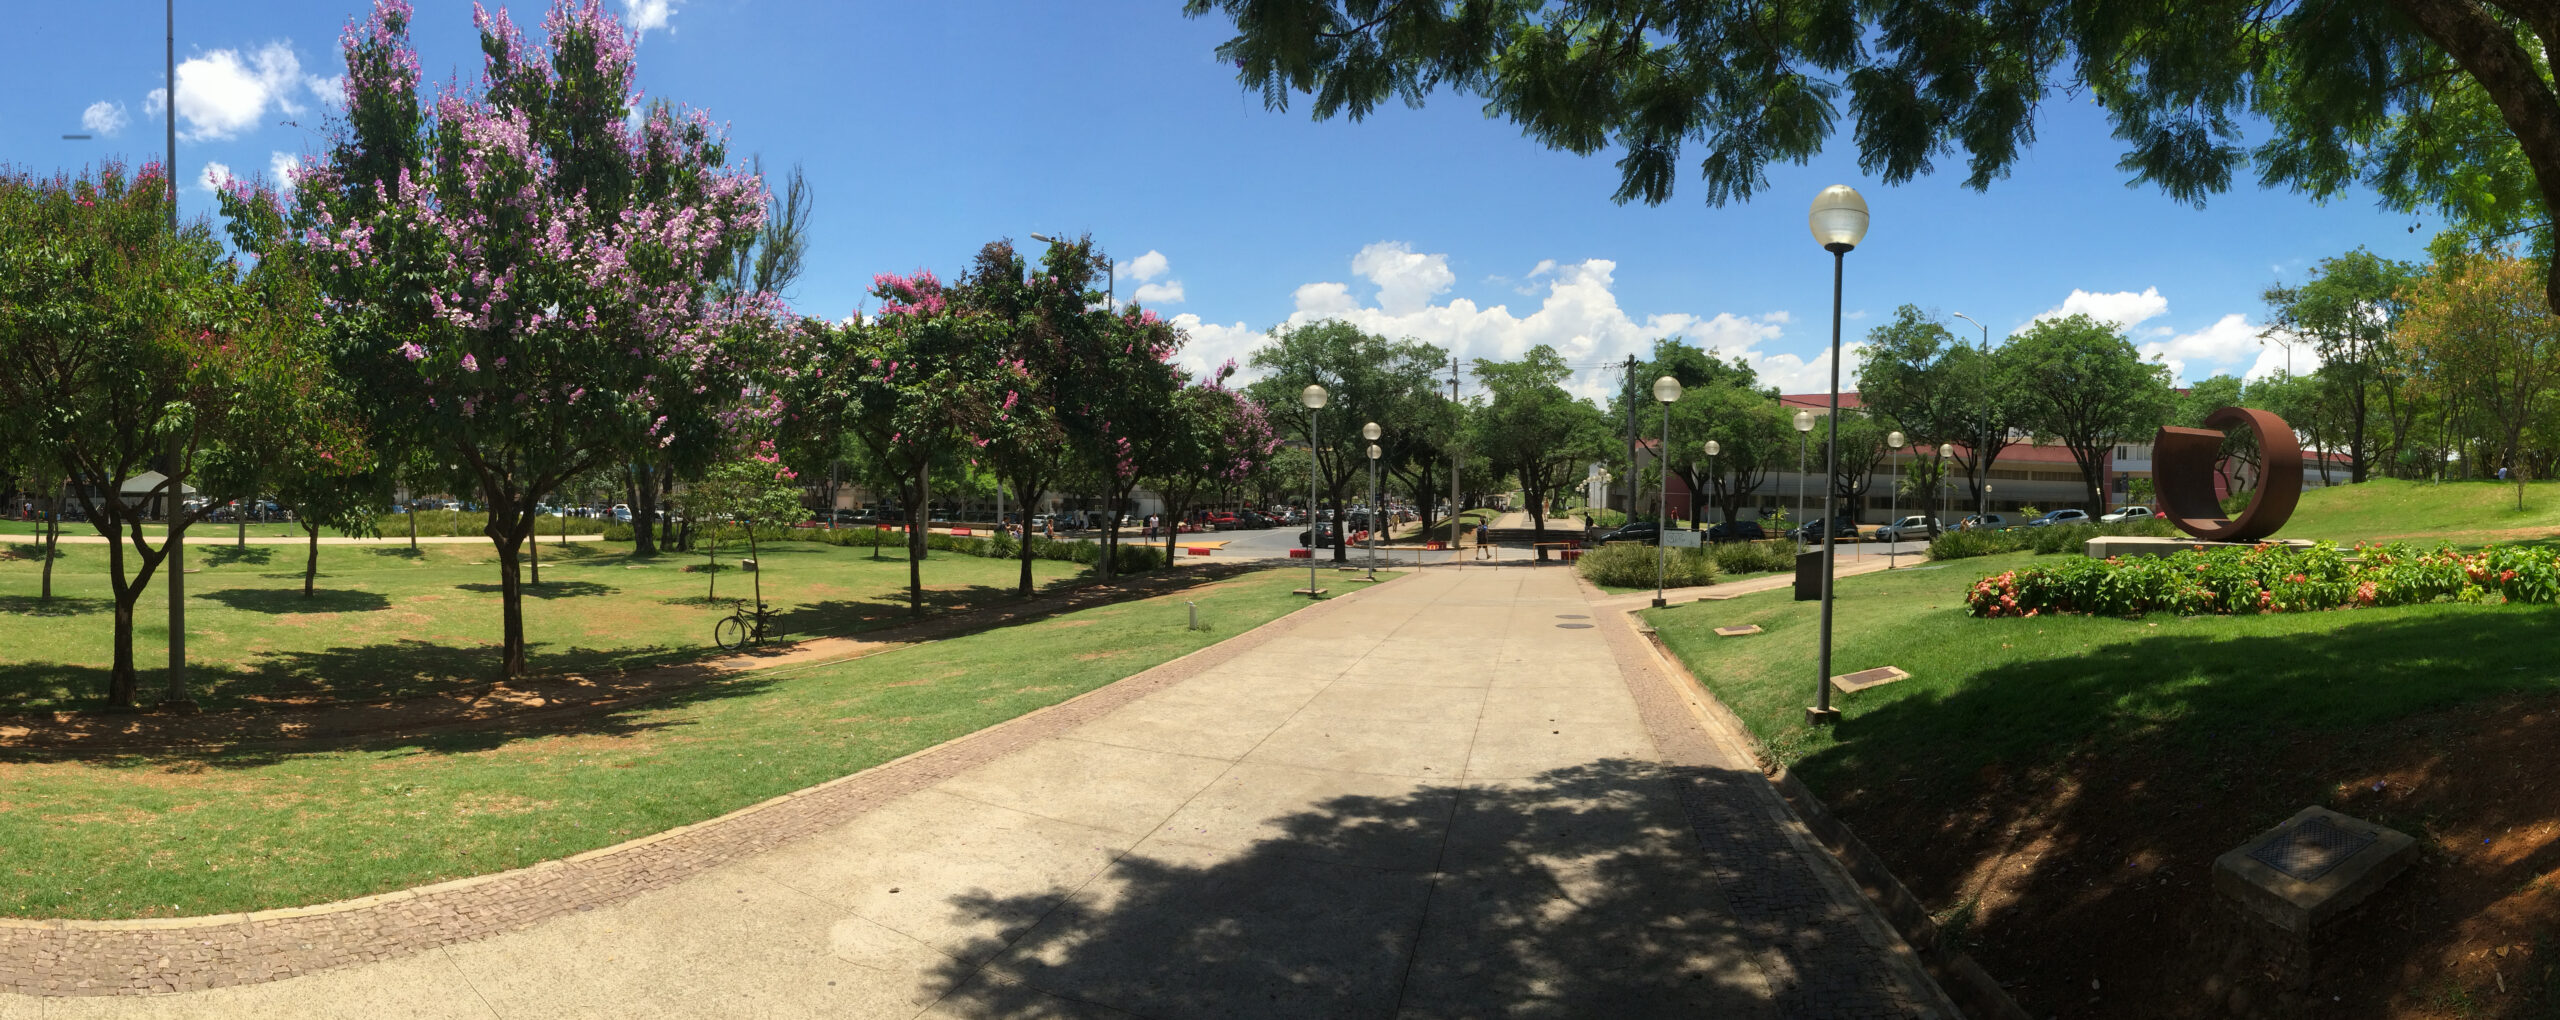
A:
[(2182, 463)]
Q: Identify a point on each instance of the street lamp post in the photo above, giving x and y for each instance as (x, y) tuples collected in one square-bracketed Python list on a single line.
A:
[(1946, 454), (1804, 427), (1714, 481), (1371, 432), (1666, 391), (1839, 222), (1313, 397), (1893, 441)]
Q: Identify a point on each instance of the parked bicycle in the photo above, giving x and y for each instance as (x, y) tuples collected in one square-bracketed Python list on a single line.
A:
[(734, 631)]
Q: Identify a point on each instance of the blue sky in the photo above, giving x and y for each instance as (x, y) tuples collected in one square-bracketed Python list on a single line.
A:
[(928, 129)]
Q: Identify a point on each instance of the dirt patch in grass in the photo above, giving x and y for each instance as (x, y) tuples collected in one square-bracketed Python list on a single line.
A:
[(2088, 884)]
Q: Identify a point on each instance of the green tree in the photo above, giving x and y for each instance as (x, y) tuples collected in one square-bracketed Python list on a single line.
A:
[(2089, 390), (1534, 431), (751, 488), (1366, 378), (2347, 311), (1920, 378), (1753, 439), (2202, 398), (127, 348), (2475, 315), (2434, 103)]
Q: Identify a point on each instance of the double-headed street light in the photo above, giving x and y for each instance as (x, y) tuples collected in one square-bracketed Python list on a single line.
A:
[(1314, 398), (1666, 391), (1946, 456), (1371, 432), (1839, 222)]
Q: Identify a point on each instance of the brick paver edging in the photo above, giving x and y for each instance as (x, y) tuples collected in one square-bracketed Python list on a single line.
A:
[(143, 957)]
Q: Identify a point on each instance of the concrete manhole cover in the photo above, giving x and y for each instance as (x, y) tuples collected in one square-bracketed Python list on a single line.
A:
[(2311, 848), (1573, 626)]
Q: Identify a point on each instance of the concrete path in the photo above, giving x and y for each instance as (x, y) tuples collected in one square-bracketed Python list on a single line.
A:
[(1455, 794), (200, 540)]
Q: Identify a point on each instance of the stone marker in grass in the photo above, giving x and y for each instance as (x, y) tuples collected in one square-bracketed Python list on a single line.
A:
[(1852, 683)]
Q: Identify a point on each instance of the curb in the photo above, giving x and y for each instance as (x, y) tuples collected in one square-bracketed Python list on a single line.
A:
[(1976, 991)]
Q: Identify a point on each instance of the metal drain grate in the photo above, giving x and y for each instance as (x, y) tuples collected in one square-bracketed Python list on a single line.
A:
[(2311, 849), (1571, 616), (1574, 626)]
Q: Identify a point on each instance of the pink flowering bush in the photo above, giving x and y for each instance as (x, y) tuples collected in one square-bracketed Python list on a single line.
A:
[(2270, 578)]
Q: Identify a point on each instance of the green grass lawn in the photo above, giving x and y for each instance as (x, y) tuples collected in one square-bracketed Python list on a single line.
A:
[(2016, 693), (256, 829), (386, 622), (2465, 513)]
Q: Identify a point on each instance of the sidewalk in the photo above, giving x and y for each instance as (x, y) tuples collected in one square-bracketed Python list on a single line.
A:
[(1459, 793)]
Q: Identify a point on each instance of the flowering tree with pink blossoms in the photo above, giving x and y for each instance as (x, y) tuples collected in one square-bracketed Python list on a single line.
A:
[(519, 277), (1122, 387), (1213, 437)]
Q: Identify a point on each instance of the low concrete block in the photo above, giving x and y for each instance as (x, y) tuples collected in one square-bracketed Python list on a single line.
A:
[(2105, 546), (1852, 683), (2305, 872), (1741, 631)]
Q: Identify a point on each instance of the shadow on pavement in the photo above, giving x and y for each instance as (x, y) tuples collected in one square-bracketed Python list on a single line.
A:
[(1584, 892)]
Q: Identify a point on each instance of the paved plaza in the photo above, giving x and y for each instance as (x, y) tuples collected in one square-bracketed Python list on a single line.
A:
[(1464, 792)]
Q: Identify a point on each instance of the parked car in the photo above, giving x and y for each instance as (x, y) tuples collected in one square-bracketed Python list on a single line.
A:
[(2054, 517), (1250, 519), (1737, 531), (1643, 532), (2122, 514), (1907, 529), (1841, 527), (1324, 532), (1983, 522)]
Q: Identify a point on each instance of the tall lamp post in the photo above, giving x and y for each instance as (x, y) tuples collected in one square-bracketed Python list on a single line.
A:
[(1946, 456), (1893, 441), (1666, 391), (1839, 222), (1371, 432), (1804, 427), (1714, 481), (1313, 397)]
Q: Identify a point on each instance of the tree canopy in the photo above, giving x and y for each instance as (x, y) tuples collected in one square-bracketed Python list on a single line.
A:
[(2435, 104)]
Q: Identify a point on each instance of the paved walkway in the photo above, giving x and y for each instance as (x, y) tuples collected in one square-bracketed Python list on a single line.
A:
[(1455, 794)]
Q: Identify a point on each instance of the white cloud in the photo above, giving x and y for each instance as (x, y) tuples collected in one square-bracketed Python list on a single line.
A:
[(155, 101), (2229, 343), (644, 15), (224, 93), (2124, 308), (104, 118), (1406, 280), (1578, 315), (282, 169), (1166, 293), (213, 176), (1146, 267)]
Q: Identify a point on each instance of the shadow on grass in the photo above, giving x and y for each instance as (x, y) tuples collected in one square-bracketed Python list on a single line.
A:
[(1582, 892), (229, 555), (401, 552), (548, 589), (292, 600), (2104, 782), (59, 605)]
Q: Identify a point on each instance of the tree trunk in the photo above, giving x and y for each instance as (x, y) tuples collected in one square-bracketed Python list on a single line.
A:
[(509, 539), (1025, 550), (533, 547), (915, 543), (122, 682), (310, 560), (52, 542), (714, 558), (644, 503), (413, 526)]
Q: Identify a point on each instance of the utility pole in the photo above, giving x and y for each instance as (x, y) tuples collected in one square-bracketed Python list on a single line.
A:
[(174, 505), (1627, 395), (1457, 421)]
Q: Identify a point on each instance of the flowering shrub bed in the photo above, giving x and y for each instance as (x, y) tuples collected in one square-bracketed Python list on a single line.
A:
[(2271, 579), (1628, 565)]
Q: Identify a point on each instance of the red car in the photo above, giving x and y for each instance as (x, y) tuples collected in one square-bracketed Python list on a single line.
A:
[(1222, 520)]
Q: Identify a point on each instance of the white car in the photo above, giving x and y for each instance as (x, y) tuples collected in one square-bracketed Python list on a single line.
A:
[(2131, 513), (1906, 529)]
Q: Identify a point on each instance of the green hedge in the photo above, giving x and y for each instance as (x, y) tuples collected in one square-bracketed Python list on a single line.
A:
[(1129, 558), (2270, 579), (1755, 557), (2060, 538), (447, 523), (1628, 565)]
